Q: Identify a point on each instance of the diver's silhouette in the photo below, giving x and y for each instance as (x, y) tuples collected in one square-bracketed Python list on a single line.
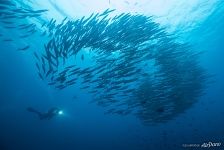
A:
[(48, 115)]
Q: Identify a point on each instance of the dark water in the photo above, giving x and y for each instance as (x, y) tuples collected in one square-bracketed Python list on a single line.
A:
[(133, 82)]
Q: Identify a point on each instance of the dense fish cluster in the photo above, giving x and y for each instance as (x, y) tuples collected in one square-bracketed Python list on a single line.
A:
[(127, 62), (13, 17)]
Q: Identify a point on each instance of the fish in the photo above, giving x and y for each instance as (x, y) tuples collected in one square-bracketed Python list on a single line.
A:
[(60, 87), (62, 22), (24, 36), (41, 77), (9, 16), (52, 77), (115, 87), (43, 24), (52, 83), (129, 90), (3, 7), (88, 76), (85, 81), (7, 40), (73, 73), (22, 25), (20, 11), (48, 72), (82, 57), (50, 61), (28, 26), (41, 11), (50, 22), (69, 67), (61, 78), (43, 60), (74, 79), (9, 27), (44, 33), (94, 81), (6, 2), (93, 91), (85, 87), (106, 12), (145, 74), (70, 83), (24, 48), (32, 31), (7, 22), (36, 56), (38, 67), (43, 68)]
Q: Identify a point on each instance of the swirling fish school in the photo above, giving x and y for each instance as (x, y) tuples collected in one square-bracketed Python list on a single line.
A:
[(135, 67)]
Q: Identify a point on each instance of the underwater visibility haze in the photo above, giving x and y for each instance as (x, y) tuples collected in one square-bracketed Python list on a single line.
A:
[(113, 74)]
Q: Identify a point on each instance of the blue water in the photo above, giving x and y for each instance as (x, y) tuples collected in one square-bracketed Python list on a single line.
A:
[(84, 124)]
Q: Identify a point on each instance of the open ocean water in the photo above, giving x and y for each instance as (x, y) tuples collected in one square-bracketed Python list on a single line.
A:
[(111, 75)]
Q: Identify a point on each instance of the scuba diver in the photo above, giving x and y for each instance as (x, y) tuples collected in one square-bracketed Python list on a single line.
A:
[(48, 115)]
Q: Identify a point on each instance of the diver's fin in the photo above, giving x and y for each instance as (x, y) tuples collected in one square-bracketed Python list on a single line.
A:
[(30, 109)]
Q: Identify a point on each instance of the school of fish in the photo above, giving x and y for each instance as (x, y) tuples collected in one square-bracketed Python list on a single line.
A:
[(128, 63)]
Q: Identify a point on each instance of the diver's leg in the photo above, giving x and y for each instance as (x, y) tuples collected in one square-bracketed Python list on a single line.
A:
[(30, 109)]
